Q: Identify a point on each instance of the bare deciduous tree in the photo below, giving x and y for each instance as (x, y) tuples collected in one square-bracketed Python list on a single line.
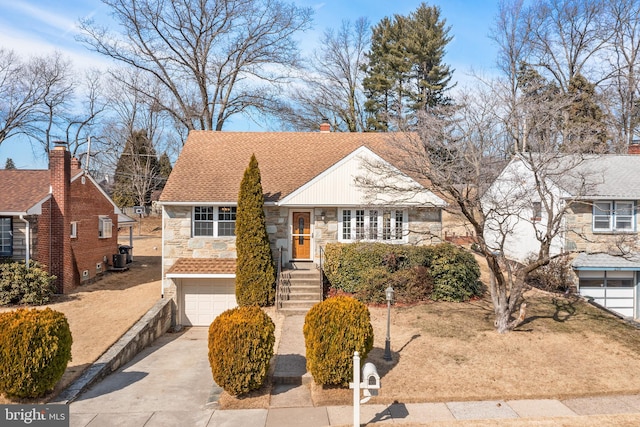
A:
[(566, 36), (25, 86), (213, 59), (69, 112), (331, 88), (624, 18), (459, 152)]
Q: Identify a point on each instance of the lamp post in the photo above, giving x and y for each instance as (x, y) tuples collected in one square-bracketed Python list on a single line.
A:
[(387, 345)]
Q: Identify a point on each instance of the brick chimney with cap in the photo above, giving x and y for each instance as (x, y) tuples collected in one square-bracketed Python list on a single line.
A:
[(325, 126), (634, 147), (75, 164), (60, 252)]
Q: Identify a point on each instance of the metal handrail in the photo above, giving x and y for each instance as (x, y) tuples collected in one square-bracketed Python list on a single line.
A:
[(322, 255), (278, 278), (283, 282)]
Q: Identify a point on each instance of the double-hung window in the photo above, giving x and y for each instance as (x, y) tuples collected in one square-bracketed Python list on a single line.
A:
[(214, 221), (226, 221), (372, 224), (614, 216), (6, 237)]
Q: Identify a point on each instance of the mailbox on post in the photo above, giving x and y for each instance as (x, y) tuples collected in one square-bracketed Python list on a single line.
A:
[(370, 385)]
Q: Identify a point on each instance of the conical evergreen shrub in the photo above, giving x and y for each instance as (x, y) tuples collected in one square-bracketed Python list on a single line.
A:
[(255, 271)]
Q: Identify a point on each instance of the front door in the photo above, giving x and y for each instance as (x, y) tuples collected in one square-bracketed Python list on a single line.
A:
[(301, 235)]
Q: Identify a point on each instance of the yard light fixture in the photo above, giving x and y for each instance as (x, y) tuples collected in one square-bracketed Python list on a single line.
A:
[(387, 345)]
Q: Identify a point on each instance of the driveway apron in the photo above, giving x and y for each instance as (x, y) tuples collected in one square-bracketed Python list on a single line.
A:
[(169, 380)]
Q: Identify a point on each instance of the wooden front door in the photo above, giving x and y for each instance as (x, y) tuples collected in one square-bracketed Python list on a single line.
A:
[(301, 235)]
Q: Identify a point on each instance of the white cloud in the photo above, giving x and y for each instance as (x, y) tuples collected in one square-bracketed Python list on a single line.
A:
[(62, 23), (33, 30)]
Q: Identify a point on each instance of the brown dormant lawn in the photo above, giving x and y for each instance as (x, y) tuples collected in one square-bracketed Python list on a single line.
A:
[(451, 352), (446, 352), (101, 312)]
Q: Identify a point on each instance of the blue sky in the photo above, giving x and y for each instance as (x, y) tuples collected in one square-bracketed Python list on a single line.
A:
[(42, 26)]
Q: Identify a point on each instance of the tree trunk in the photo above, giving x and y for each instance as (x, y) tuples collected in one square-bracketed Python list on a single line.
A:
[(503, 322)]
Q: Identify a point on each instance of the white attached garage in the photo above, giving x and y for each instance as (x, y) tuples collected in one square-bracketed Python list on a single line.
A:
[(205, 287), (611, 282), (202, 300)]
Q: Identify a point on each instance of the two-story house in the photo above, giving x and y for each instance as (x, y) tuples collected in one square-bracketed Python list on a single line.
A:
[(59, 217), (597, 198), (311, 197)]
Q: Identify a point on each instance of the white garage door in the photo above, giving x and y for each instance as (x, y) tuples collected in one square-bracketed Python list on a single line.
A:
[(614, 290), (204, 299)]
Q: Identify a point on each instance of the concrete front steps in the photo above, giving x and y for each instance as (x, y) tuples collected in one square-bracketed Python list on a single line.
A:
[(300, 288)]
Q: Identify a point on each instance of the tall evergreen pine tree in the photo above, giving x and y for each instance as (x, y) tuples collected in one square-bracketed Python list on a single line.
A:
[(406, 73), (255, 271)]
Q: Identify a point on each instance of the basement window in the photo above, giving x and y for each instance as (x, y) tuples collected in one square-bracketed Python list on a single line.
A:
[(105, 226)]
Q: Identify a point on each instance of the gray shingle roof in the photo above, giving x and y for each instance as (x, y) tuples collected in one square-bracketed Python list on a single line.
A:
[(614, 176), (608, 176), (587, 261)]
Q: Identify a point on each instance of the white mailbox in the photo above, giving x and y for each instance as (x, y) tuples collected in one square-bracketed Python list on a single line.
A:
[(371, 380)]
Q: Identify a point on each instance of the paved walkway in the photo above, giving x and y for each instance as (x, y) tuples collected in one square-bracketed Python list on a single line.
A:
[(155, 389)]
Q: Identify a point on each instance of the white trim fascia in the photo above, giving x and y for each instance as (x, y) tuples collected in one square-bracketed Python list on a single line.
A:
[(37, 208), (12, 213), (234, 203), (200, 276)]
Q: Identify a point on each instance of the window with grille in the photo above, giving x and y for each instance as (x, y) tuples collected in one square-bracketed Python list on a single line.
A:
[(373, 224), (214, 221)]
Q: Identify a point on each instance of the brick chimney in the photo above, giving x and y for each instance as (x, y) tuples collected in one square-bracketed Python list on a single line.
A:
[(60, 256), (634, 147), (325, 126), (75, 164)]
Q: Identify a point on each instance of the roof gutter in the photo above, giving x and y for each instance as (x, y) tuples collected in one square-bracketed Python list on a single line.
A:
[(27, 240)]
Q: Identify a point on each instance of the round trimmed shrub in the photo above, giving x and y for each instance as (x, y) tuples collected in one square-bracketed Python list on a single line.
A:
[(240, 348), (35, 348), (333, 330)]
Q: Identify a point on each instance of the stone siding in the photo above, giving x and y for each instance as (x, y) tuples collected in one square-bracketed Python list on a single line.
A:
[(581, 238), (425, 223)]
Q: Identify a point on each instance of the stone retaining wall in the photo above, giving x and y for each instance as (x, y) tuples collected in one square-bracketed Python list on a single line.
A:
[(151, 326)]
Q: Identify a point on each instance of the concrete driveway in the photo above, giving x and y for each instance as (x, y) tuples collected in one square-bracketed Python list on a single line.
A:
[(167, 384)]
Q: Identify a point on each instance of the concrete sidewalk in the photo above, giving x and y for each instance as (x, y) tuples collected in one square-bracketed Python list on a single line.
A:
[(169, 384)]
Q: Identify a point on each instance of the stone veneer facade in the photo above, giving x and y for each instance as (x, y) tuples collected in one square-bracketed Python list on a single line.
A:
[(425, 223), (580, 236)]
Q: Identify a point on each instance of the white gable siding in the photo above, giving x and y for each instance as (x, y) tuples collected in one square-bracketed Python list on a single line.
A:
[(337, 186), (508, 205)]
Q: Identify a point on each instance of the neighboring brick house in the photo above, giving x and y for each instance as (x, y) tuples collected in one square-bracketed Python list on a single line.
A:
[(59, 217), (599, 230), (311, 199)]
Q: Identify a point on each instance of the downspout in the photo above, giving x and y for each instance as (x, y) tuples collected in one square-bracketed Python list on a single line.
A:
[(27, 240)]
